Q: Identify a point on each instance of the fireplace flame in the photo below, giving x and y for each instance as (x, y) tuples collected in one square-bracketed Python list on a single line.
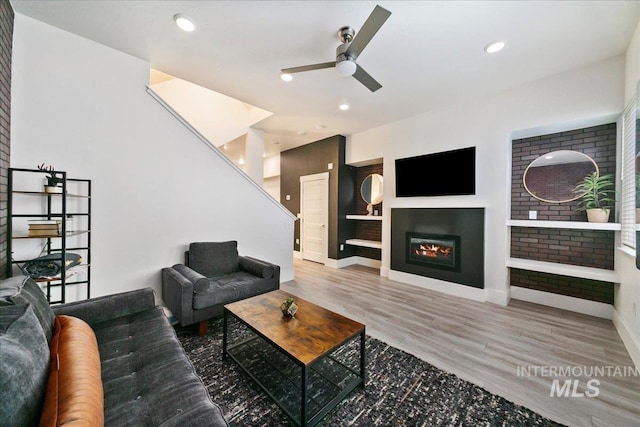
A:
[(432, 251)]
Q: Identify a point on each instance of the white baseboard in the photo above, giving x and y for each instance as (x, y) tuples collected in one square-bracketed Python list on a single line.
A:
[(630, 341), (339, 263), (449, 288), (384, 271), (497, 297), (345, 262), (579, 305), (297, 254), (367, 262)]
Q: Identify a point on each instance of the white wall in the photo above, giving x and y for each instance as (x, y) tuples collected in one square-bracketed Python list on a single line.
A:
[(83, 107), (628, 292), (588, 93)]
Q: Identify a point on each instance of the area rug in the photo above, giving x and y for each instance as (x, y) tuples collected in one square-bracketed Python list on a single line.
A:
[(401, 390)]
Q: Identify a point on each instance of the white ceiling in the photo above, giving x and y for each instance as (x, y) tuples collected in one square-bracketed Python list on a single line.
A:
[(428, 53)]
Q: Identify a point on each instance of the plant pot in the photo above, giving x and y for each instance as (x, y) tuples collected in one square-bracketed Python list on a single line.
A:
[(598, 215)]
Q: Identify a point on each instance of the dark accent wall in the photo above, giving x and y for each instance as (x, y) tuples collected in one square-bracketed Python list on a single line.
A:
[(6, 40), (586, 248), (367, 230), (312, 159), (468, 223)]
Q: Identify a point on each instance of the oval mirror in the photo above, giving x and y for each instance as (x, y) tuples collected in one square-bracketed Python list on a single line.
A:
[(553, 176), (371, 189)]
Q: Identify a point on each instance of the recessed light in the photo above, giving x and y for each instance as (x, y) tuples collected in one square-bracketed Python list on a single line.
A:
[(241, 161), (185, 23), (494, 47), (344, 107), (302, 132), (321, 126), (286, 77)]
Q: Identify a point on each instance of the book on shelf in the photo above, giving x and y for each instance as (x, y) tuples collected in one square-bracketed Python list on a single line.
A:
[(44, 233), (43, 226), (43, 221)]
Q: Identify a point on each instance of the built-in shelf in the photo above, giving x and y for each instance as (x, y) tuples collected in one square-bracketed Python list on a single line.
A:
[(564, 269), (575, 225), (365, 243), (366, 217)]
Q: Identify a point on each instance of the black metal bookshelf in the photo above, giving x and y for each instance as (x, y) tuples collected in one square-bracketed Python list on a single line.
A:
[(55, 208)]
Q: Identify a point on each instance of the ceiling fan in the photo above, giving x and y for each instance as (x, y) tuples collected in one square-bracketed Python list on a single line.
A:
[(351, 47)]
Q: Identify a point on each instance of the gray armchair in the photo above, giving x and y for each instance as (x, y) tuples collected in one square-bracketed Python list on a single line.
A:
[(213, 275)]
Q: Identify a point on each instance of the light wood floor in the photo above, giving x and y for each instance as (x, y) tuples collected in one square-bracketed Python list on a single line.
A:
[(485, 343)]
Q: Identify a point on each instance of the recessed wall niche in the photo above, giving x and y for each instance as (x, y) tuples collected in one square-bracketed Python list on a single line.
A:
[(584, 248)]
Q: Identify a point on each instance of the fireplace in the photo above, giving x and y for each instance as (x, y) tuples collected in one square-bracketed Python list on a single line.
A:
[(439, 243), (434, 250)]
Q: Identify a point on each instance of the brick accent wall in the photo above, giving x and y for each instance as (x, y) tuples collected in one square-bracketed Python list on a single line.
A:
[(593, 290), (587, 248), (598, 142), (367, 230), (6, 38)]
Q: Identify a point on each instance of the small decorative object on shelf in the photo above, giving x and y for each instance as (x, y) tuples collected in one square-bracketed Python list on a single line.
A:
[(597, 200), (53, 181), (289, 307)]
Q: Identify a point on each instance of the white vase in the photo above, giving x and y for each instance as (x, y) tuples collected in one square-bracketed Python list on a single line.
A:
[(598, 215)]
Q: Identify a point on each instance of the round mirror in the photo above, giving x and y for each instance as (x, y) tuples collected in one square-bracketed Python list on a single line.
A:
[(371, 189), (553, 176)]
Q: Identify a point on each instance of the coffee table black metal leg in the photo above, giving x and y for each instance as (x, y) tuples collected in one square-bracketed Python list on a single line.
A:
[(363, 358), (224, 334), (303, 405)]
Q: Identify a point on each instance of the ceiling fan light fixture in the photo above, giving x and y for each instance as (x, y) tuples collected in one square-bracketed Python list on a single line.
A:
[(286, 77), (346, 68), (184, 22), (495, 47), (344, 107)]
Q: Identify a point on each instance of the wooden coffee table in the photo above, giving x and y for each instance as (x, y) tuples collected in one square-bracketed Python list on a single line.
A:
[(307, 363)]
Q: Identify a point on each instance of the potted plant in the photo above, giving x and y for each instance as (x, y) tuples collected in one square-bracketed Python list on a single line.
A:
[(597, 198), (289, 307), (53, 181)]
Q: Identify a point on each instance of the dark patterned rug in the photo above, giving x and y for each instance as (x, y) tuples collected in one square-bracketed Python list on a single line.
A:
[(401, 390)]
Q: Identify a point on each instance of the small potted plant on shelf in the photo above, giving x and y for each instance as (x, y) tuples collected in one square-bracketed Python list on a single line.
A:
[(53, 181), (597, 198)]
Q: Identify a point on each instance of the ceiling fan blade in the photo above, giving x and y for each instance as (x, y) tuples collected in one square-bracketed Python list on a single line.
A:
[(309, 67), (368, 30), (363, 77)]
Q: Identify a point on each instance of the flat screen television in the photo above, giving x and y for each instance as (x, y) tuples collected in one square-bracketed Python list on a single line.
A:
[(449, 173)]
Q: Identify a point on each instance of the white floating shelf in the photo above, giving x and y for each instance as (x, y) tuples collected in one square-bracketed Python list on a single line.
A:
[(366, 217), (565, 269), (575, 225), (365, 243)]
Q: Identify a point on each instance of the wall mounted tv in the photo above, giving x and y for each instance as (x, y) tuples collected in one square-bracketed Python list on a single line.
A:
[(449, 173)]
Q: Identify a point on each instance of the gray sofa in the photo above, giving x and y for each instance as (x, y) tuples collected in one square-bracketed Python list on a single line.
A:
[(214, 274), (143, 372)]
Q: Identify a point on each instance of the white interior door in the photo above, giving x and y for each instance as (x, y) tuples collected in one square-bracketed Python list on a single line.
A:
[(314, 206)]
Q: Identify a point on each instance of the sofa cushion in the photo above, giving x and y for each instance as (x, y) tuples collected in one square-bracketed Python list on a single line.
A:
[(22, 290), (23, 366), (74, 387), (147, 377), (229, 288), (214, 258)]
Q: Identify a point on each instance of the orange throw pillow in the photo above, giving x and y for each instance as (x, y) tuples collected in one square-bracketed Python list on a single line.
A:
[(74, 394)]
